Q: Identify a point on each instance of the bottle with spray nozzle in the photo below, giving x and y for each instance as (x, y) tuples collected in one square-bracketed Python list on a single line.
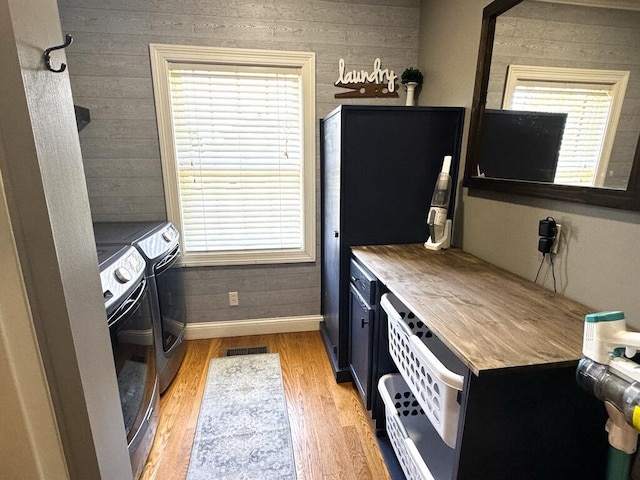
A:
[(439, 224)]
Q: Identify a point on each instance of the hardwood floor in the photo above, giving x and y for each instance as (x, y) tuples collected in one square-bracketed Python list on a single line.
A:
[(333, 436)]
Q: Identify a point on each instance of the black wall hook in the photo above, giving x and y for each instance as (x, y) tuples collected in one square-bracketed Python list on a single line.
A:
[(47, 59)]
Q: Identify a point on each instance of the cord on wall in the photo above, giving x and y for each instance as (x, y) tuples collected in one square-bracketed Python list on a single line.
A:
[(539, 268), (553, 273)]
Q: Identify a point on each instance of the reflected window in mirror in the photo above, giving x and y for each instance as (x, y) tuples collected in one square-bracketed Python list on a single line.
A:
[(584, 155)]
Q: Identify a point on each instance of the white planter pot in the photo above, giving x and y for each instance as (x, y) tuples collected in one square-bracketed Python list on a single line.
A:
[(411, 87)]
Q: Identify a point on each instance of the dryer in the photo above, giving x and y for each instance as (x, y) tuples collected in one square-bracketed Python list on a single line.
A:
[(159, 244)]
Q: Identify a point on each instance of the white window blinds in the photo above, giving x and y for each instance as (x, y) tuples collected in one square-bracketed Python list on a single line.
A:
[(587, 108), (238, 138)]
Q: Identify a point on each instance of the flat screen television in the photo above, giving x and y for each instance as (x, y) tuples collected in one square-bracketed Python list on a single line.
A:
[(521, 145)]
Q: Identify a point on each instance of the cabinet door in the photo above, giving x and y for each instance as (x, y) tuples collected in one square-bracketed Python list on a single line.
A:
[(361, 319), (331, 235)]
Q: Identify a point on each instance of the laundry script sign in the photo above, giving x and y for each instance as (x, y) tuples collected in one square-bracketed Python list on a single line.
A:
[(363, 84)]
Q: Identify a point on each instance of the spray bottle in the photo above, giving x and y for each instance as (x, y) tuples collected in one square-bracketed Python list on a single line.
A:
[(439, 224)]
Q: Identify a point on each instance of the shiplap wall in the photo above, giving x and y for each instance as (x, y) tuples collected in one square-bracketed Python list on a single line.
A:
[(557, 35), (110, 74)]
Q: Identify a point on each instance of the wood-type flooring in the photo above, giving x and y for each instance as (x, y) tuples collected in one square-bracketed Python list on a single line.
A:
[(333, 435)]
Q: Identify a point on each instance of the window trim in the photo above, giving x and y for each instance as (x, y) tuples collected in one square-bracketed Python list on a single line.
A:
[(162, 57), (617, 79)]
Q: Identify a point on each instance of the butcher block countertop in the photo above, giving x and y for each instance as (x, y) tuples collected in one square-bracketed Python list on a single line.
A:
[(490, 318)]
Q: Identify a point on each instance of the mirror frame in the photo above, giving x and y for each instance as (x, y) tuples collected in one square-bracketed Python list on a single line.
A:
[(628, 199)]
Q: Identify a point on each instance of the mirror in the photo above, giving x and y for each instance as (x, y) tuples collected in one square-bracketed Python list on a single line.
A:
[(556, 107)]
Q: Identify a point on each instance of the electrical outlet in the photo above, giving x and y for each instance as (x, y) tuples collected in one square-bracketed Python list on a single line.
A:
[(556, 241), (233, 299)]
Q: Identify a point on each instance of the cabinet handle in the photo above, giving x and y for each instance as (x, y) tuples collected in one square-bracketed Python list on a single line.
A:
[(363, 323)]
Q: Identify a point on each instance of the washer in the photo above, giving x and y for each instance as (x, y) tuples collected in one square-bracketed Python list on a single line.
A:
[(129, 316), (159, 244)]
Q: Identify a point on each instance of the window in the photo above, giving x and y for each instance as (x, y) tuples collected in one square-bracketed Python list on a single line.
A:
[(237, 140), (592, 100)]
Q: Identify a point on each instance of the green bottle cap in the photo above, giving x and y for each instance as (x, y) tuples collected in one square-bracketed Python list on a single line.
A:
[(604, 317)]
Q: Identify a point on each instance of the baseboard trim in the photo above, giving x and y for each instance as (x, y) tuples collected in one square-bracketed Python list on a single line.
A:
[(254, 326)]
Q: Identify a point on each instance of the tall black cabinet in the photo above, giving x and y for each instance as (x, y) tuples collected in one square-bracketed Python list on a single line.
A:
[(379, 167)]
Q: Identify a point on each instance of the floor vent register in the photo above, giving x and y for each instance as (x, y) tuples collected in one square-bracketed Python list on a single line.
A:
[(246, 351)]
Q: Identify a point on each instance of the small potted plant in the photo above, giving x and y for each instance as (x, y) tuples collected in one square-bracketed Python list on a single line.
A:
[(412, 78)]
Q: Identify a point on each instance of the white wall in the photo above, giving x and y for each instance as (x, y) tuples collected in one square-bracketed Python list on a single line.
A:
[(599, 260), (30, 445)]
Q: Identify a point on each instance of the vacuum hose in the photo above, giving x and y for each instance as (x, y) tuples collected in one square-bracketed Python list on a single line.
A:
[(621, 398), (625, 395)]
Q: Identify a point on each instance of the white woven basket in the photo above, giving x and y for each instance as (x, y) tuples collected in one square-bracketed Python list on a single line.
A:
[(401, 411), (434, 385)]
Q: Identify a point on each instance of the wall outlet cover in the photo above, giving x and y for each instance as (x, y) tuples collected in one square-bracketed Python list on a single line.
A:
[(556, 240), (233, 299)]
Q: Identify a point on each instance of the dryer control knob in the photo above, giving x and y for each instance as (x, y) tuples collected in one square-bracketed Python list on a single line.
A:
[(166, 236), (123, 275)]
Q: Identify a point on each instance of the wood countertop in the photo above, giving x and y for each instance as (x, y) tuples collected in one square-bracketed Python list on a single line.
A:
[(492, 319)]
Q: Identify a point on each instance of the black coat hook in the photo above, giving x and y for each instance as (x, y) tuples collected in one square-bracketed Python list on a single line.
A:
[(67, 41)]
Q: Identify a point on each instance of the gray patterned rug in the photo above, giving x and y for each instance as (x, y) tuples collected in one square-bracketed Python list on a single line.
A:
[(243, 429)]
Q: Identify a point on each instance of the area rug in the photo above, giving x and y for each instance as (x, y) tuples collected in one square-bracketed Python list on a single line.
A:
[(243, 429)]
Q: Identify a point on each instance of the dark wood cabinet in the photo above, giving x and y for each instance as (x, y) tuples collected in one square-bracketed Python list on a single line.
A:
[(369, 357), (521, 412), (362, 325), (379, 167)]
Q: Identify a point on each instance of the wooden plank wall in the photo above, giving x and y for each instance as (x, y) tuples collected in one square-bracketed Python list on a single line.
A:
[(558, 35), (110, 74)]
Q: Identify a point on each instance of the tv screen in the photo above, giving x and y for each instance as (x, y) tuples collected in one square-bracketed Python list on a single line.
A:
[(521, 145)]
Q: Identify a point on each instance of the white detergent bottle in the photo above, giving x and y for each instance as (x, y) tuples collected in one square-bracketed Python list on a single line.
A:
[(437, 221)]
